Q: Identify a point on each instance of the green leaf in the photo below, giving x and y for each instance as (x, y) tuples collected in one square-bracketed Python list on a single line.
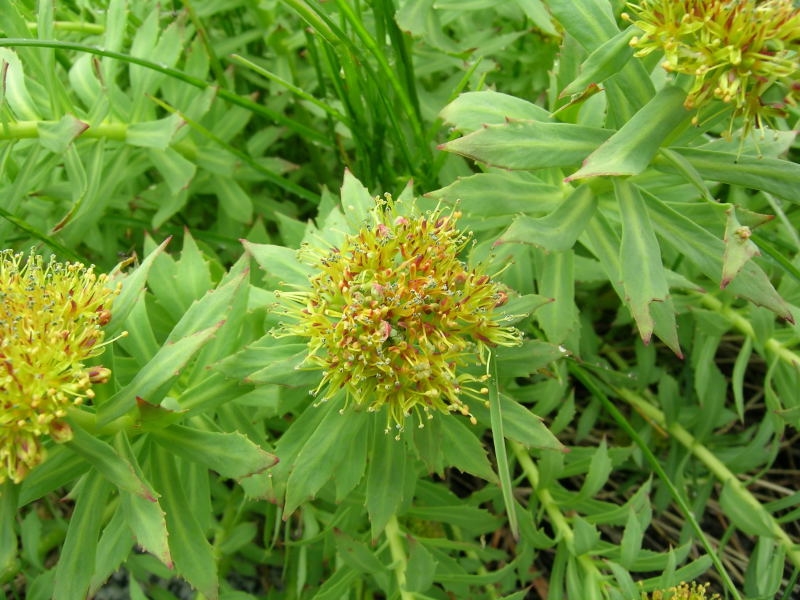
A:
[(632, 538), (706, 250), (630, 150), (603, 62), (496, 419), (229, 454), (521, 425), (528, 358), (167, 363), (420, 568), (385, 468), (779, 177), (193, 555), (529, 145), (752, 522), (320, 456), (280, 262), (62, 467), (114, 546), (153, 134), (111, 465), (472, 110), (8, 538), (640, 256), (597, 475), (605, 245), (76, 564), (536, 11), (132, 285), (233, 200), (144, 518), (176, 170), (559, 319), (270, 361), (57, 136), (511, 193), (558, 230), (338, 584), (208, 311), (739, 248), (463, 450), (358, 556), (467, 517), (356, 200)]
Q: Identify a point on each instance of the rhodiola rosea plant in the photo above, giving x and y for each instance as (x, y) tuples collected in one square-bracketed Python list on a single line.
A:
[(569, 373)]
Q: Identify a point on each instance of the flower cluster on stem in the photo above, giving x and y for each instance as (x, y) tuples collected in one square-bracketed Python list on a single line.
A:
[(51, 320), (737, 51), (393, 315)]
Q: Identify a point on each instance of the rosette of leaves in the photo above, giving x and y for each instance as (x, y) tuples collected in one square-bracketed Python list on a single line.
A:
[(336, 456), (629, 214), (137, 469)]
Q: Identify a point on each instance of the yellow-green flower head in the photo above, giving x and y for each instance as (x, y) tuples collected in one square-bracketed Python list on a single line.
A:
[(50, 323), (682, 592), (736, 50), (393, 316)]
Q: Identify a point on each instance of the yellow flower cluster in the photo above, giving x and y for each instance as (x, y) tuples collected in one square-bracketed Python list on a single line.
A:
[(737, 50), (682, 592), (393, 314), (51, 316)]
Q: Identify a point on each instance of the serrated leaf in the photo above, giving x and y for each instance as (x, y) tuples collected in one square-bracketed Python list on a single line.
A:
[(132, 285), (279, 262), (76, 565), (630, 150), (111, 465), (190, 550), (529, 145), (270, 361), (421, 567), (557, 280), (233, 200), (472, 110), (207, 311), (167, 363), (597, 475), (113, 547), (521, 425), (356, 200), (511, 194), (640, 257), (153, 134), (558, 230), (229, 454), (176, 170), (705, 250), (528, 358), (463, 450), (739, 248), (320, 456), (385, 468), (606, 60), (57, 136), (779, 177)]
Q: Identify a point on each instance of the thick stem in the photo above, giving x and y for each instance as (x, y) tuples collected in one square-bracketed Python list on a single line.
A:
[(743, 325), (716, 466), (399, 559), (557, 519)]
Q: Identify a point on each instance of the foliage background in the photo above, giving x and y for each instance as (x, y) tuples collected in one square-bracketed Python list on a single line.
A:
[(214, 121)]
